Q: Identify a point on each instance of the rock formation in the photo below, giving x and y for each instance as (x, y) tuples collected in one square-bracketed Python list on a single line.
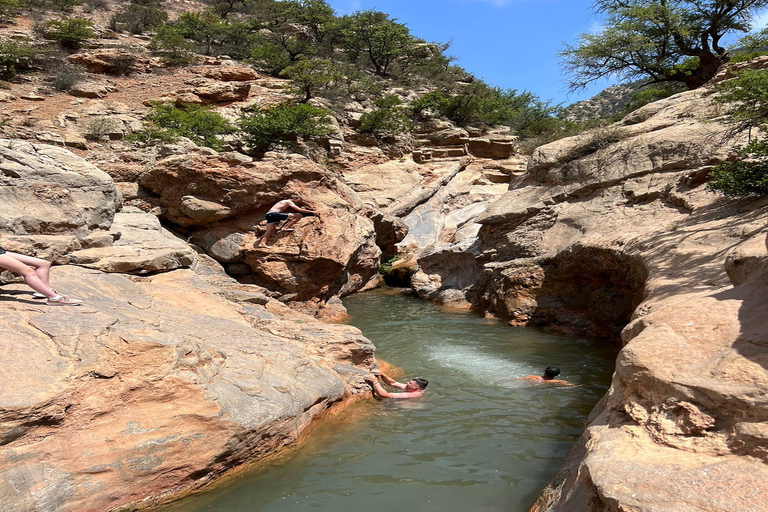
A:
[(612, 234), (170, 374)]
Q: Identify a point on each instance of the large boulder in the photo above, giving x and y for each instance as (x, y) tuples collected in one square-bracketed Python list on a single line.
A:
[(221, 203), (47, 190), (155, 386)]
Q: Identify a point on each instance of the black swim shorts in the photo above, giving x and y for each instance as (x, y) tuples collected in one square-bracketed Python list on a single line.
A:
[(2, 251), (273, 217)]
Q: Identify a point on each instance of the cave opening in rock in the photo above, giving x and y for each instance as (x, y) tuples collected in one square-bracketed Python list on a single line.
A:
[(586, 291)]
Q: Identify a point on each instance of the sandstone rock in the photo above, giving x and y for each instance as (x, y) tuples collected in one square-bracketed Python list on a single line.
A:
[(113, 61), (232, 73), (160, 383), (49, 190), (143, 247), (302, 264), (612, 233), (89, 90)]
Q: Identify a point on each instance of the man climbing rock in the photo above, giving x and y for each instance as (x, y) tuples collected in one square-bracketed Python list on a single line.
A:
[(279, 213)]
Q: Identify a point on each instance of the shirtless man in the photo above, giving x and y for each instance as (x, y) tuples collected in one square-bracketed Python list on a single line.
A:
[(277, 214), (548, 376), (414, 388)]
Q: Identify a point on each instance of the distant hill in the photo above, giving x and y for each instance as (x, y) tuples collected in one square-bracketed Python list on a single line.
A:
[(605, 104)]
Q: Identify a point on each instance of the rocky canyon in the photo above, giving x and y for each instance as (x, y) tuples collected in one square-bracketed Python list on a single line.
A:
[(195, 353)]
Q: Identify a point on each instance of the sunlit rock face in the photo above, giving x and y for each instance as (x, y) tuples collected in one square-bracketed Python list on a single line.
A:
[(171, 372), (613, 234), (220, 204)]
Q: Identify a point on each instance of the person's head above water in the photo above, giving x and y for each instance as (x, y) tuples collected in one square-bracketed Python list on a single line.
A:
[(421, 383), (551, 372)]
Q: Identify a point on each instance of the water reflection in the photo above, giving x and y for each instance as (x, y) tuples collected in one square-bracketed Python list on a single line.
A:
[(478, 440)]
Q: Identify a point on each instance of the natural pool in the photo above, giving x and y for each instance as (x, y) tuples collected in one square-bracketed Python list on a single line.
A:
[(478, 440)]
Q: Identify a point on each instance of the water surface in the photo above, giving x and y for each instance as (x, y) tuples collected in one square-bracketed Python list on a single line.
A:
[(478, 440)]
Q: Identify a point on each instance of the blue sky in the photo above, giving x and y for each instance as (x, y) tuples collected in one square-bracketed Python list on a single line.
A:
[(511, 44)]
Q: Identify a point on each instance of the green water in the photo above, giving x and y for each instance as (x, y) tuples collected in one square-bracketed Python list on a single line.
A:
[(477, 441)]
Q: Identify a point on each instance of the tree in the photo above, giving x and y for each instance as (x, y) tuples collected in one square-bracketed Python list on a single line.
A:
[(375, 35), (658, 40), (139, 18), (310, 76), (171, 46), (281, 123)]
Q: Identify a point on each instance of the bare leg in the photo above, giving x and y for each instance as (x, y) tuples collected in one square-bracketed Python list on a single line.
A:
[(42, 267), (271, 228), (10, 262), (293, 218)]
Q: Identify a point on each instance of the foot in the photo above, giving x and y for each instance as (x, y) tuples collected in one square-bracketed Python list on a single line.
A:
[(63, 300)]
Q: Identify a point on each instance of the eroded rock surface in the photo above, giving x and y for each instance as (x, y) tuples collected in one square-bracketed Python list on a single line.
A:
[(612, 233), (169, 374)]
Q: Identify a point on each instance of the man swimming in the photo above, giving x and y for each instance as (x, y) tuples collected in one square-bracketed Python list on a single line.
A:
[(414, 388), (548, 376)]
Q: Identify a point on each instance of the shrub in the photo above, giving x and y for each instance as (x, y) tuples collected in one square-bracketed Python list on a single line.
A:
[(15, 55), (172, 47), (388, 119), (745, 176), (100, 127), (435, 102), (8, 8), (592, 141), (280, 123), (64, 75), (166, 122), (69, 32), (139, 18)]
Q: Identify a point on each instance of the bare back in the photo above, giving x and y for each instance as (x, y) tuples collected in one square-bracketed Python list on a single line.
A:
[(283, 205)]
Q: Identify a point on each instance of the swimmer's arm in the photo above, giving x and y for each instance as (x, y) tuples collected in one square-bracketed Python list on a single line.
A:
[(392, 382), (379, 391)]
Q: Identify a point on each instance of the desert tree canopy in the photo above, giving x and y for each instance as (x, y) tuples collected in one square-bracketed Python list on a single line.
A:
[(658, 40)]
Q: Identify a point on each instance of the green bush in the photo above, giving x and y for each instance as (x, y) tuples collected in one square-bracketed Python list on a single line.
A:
[(166, 122), (69, 32), (15, 55), (739, 178), (435, 102), (281, 123), (139, 18), (8, 8), (171, 46), (747, 174), (270, 58), (389, 119)]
